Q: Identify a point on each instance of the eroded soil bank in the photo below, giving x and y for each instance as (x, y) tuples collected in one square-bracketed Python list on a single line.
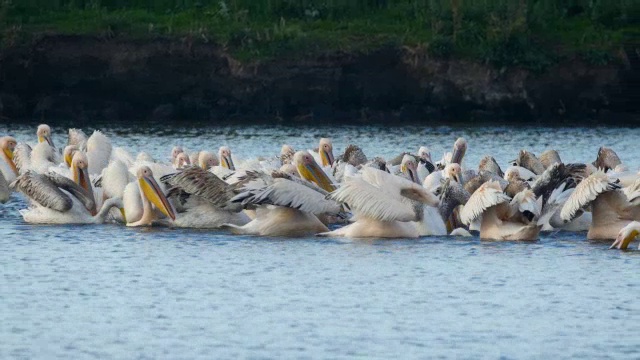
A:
[(87, 78)]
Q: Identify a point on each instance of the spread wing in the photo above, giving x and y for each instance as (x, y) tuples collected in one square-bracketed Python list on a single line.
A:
[(587, 191), (487, 195)]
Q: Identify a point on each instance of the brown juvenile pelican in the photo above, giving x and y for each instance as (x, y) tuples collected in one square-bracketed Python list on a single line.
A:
[(529, 161), (607, 159), (286, 154), (549, 157)]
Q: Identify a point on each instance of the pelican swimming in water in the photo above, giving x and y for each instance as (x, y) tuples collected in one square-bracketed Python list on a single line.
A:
[(612, 208), (44, 134), (224, 154), (58, 200), (287, 205), (384, 205), (502, 218), (8, 170), (626, 235), (144, 201), (202, 200)]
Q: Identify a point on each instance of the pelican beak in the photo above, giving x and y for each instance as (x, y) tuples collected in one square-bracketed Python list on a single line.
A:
[(47, 139), (82, 178), (9, 153), (623, 240), (124, 216), (312, 172), (67, 160), (228, 162), (153, 193), (327, 157)]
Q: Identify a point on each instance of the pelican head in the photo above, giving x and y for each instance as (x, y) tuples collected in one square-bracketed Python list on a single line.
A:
[(512, 175), (225, 157), (80, 174), (151, 192), (409, 168), (8, 145), (44, 134), (424, 153), (459, 149), (207, 160), (174, 153), (182, 160), (310, 171), (626, 235), (286, 154), (453, 171), (68, 153), (326, 152), (289, 169)]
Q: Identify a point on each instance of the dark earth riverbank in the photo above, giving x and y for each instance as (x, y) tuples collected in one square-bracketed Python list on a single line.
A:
[(89, 78)]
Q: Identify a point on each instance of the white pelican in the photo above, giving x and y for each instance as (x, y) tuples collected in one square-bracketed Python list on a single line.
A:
[(325, 150), (286, 154), (202, 200), (459, 150), (143, 198), (225, 158), (58, 200), (285, 205), (98, 152), (503, 218), (182, 160), (611, 208), (626, 235), (174, 153), (207, 160), (44, 134), (385, 205), (451, 171), (8, 167), (77, 138)]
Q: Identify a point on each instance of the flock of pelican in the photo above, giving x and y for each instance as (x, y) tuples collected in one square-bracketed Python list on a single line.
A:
[(299, 193)]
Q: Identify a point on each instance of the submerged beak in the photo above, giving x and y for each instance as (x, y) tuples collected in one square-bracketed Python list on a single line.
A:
[(312, 172), (228, 162), (622, 242), (326, 157), (153, 193)]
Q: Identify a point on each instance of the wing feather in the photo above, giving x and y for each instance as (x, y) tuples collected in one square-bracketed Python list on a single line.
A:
[(487, 195), (587, 191), (283, 192), (41, 190)]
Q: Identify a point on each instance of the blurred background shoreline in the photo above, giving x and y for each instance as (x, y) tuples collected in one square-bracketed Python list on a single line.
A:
[(300, 61)]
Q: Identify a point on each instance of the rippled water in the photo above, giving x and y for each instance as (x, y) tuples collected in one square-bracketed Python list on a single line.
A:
[(114, 292)]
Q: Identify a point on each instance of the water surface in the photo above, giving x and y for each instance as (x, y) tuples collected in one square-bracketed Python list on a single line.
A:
[(113, 292)]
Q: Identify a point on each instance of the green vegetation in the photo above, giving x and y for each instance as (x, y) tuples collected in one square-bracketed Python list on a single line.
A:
[(528, 33)]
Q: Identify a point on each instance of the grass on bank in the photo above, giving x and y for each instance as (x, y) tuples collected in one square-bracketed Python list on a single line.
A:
[(528, 33)]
